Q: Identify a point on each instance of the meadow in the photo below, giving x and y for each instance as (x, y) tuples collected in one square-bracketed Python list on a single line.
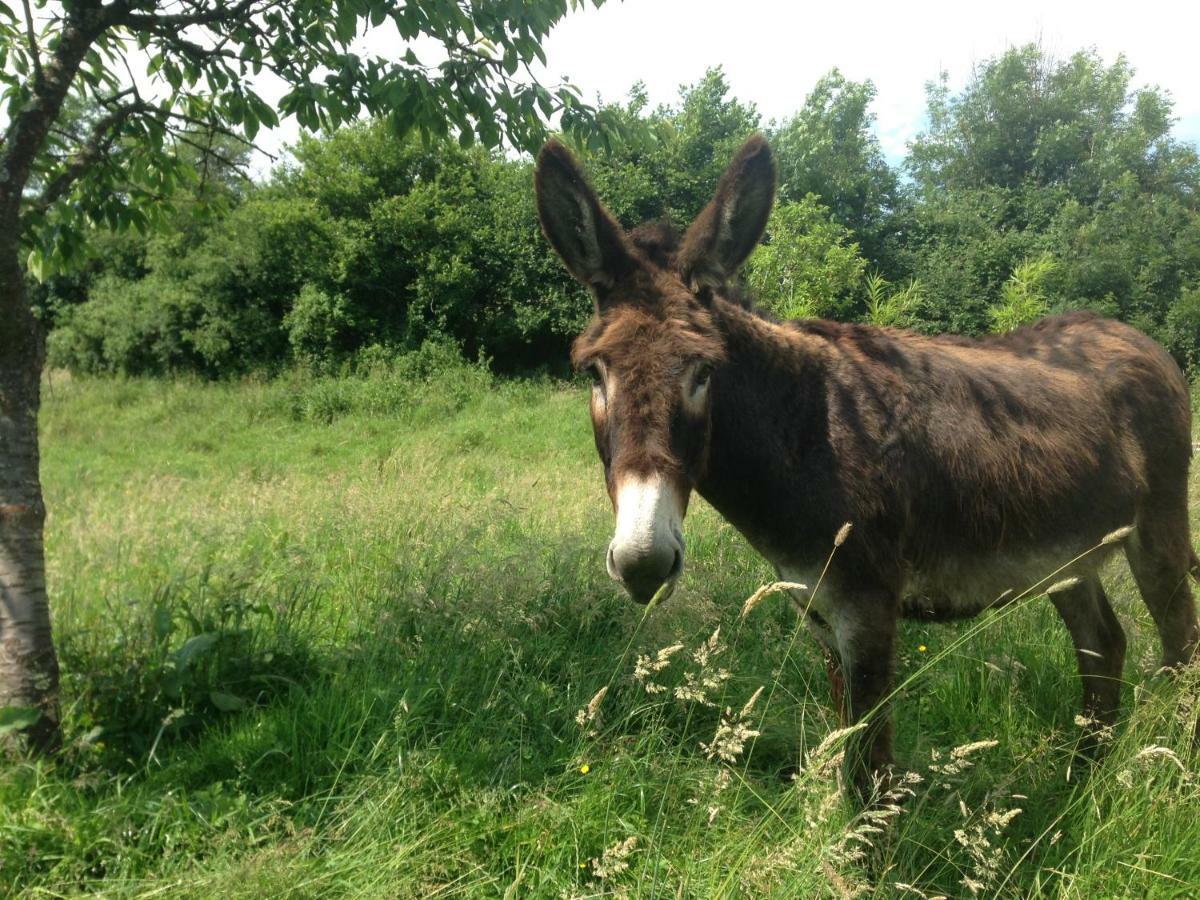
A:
[(352, 636)]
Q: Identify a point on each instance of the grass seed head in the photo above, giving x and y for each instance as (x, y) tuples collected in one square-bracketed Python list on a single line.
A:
[(750, 703), (1065, 585), (1118, 535), (587, 716), (843, 533), (648, 666), (766, 590), (614, 860)]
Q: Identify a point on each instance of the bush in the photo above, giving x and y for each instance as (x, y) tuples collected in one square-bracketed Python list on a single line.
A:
[(128, 327), (809, 266), (321, 328), (1181, 334), (1023, 296), (431, 381), (892, 307)]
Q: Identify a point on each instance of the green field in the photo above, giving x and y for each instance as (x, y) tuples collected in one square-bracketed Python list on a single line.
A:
[(326, 637)]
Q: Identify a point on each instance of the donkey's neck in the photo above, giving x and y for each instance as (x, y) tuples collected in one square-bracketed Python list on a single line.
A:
[(770, 469)]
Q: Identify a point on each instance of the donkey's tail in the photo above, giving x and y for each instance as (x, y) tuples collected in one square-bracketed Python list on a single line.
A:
[(1194, 567)]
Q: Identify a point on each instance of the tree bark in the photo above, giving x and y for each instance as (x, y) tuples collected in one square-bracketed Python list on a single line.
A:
[(28, 664)]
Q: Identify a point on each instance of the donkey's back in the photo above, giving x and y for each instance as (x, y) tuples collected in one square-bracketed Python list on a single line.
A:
[(1008, 457)]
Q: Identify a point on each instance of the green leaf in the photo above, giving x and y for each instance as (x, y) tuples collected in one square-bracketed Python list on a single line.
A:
[(193, 647), (226, 702), (35, 263), (15, 718), (162, 622)]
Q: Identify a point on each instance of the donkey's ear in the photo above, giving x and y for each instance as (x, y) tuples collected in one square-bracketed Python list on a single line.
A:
[(580, 229), (727, 230)]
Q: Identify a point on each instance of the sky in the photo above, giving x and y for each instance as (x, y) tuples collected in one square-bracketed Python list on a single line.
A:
[(773, 52)]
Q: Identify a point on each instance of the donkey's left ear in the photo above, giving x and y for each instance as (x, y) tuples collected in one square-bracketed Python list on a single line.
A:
[(582, 232), (727, 230)]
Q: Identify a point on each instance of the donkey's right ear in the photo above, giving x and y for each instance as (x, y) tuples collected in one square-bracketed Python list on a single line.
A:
[(576, 224), (729, 228)]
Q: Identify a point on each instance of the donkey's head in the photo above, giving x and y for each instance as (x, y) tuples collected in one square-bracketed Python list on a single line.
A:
[(653, 348)]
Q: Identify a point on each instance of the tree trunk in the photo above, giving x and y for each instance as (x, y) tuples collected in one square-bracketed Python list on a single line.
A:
[(28, 665)]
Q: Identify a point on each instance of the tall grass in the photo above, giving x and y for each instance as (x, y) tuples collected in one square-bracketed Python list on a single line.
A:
[(353, 636)]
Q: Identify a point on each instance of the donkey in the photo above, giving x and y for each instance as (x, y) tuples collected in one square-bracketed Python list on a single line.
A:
[(969, 469)]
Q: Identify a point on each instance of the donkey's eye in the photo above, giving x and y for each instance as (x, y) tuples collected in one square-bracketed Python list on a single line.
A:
[(703, 373), (597, 378)]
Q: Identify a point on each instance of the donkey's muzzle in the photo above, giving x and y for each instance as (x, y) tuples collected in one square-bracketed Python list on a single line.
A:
[(647, 547), (643, 574)]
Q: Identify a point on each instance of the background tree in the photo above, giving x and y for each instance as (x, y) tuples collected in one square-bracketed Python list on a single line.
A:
[(673, 176), (124, 163), (1065, 158), (396, 242), (829, 149)]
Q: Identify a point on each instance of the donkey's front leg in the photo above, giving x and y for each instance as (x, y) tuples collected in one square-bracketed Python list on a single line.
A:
[(865, 627)]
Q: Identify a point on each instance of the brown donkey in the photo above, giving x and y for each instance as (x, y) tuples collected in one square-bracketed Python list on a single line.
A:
[(970, 469)]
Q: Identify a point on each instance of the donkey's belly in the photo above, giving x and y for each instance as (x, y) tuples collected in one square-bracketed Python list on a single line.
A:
[(960, 588)]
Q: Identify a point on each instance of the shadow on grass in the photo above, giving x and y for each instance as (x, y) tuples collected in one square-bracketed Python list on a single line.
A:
[(207, 712)]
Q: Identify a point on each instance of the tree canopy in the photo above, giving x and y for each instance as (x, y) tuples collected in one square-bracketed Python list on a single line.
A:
[(404, 240), (135, 135)]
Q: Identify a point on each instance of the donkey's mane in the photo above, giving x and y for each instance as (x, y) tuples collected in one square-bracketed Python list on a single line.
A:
[(659, 241)]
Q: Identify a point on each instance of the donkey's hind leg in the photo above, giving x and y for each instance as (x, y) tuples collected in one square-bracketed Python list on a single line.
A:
[(1100, 651), (1160, 556)]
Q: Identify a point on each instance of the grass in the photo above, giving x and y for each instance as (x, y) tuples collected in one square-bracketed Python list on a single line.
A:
[(342, 637)]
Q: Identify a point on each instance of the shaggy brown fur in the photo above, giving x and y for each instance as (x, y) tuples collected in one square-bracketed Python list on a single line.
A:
[(970, 469)]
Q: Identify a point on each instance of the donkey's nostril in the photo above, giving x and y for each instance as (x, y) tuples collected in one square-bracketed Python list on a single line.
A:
[(677, 567)]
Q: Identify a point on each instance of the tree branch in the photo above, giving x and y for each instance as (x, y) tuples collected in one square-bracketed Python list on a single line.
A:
[(201, 54), (214, 126), (207, 152), (34, 53), (99, 140), (28, 127), (222, 13)]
